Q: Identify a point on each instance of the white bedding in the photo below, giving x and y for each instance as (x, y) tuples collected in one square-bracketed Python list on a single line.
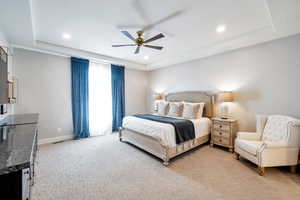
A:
[(164, 131)]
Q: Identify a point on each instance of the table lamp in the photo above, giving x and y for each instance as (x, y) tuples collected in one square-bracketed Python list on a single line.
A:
[(157, 97), (225, 97)]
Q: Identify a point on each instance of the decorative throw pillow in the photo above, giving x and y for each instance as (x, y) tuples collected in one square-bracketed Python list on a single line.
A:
[(200, 113), (192, 110), (175, 109), (162, 107)]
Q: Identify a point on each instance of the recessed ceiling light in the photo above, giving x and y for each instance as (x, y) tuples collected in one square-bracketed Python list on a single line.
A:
[(221, 28), (146, 57), (66, 36)]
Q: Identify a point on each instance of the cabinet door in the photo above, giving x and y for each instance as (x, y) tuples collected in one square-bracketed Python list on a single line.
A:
[(3, 78), (11, 185)]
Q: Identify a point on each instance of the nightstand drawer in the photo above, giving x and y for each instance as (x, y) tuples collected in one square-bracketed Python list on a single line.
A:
[(221, 140), (221, 133), (221, 126)]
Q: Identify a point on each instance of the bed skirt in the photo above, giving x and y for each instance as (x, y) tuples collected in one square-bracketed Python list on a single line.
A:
[(156, 147)]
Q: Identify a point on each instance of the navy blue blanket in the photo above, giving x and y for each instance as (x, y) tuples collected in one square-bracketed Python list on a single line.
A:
[(184, 129)]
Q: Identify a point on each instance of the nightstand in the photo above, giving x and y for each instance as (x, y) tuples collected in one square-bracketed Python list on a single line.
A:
[(223, 132)]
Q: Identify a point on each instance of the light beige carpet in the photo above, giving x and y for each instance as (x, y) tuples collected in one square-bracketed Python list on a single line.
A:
[(102, 168)]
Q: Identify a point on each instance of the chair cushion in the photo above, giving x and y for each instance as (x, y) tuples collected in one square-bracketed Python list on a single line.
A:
[(276, 128), (249, 146)]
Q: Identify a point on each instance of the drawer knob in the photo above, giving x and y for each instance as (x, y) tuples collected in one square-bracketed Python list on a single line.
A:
[(220, 140), (220, 133), (220, 126)]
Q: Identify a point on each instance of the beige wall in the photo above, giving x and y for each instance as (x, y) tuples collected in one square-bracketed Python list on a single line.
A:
[(3, 40), (265, 79), (45, 88), (136, 90)]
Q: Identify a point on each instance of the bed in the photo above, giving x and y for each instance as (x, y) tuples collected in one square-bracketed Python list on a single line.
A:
[(158, 138)]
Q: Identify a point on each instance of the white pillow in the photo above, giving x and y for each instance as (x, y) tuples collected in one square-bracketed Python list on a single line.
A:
[(175, 109), (192, 110), (162, 107)]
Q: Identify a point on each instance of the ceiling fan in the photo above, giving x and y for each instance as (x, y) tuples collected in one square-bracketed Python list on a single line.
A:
[(139, 41)]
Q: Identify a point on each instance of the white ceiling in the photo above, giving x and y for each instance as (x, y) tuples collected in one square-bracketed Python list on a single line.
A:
[(95, 25)]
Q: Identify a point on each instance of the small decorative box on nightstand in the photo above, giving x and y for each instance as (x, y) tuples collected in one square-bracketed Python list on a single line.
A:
[(223, 132)]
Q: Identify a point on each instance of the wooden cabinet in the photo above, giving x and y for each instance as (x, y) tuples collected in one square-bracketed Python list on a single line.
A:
[(3, 77), (18, 142), (223, 132)]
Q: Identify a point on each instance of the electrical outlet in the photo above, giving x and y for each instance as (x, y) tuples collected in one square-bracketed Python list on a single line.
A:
[(59, 130)]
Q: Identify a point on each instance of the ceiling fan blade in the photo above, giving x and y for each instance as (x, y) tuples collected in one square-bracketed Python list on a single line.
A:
[(155, 38), (140, 9), (169, 17), (137, 50), (154, 47), (138, 27), (127, 34), (129, 27), (123, 45)]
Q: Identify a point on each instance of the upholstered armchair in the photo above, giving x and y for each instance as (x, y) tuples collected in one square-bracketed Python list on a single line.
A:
[(275, 143)]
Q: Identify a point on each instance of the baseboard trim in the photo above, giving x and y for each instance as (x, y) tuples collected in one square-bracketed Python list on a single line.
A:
[(55, 139)]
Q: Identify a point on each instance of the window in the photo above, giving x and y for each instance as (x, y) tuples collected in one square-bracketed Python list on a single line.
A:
[(100, 99)]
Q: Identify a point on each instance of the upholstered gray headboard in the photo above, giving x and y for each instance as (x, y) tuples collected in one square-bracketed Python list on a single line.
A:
[(194, 96)]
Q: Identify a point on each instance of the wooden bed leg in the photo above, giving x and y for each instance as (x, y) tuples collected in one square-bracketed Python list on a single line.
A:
[(293, 169), (236, 155), (261, 171)]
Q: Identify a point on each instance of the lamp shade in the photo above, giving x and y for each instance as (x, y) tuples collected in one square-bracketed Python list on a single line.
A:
[(225, 97), (157, 96)]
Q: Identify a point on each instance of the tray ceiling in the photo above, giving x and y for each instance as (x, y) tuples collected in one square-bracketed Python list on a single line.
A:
[(95, 25)]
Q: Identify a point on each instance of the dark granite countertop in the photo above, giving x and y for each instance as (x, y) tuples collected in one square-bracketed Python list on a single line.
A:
[(17, 140), (20, 119)]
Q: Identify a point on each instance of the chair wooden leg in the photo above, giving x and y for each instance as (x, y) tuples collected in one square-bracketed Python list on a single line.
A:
[(236, 155), (261, 171), (293, 169)]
